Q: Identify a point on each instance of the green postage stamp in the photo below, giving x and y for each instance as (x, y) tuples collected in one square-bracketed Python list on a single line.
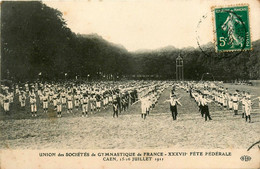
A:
[(232, 29)]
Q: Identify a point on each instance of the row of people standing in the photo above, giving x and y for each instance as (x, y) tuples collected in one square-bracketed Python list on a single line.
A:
[(89, 98), (224, 98), (149, 98)]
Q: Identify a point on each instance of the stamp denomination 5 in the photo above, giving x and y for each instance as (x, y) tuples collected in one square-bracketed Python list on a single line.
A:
[(232, 29)]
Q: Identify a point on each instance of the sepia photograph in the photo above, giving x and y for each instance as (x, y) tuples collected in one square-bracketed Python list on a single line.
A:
[(108, 83)]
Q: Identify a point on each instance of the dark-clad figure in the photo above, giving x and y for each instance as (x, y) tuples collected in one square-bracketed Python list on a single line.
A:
[(115, 108), (118, 100), (205, 107), (174, 101)]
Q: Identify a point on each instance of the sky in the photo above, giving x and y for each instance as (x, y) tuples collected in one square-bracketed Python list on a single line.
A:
[(149, 24)]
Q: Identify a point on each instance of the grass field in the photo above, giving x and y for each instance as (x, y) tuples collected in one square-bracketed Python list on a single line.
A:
[(101, 131)]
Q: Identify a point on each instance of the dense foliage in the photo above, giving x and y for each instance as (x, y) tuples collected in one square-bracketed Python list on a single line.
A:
[(36, 43)]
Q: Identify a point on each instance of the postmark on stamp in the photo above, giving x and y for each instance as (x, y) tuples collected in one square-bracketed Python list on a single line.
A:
[(232, 29)]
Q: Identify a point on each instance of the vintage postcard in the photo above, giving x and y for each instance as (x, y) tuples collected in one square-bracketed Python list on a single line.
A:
[(130, 84)]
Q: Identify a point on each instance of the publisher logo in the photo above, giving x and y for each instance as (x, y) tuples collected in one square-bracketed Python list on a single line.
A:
[(245, 158)]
